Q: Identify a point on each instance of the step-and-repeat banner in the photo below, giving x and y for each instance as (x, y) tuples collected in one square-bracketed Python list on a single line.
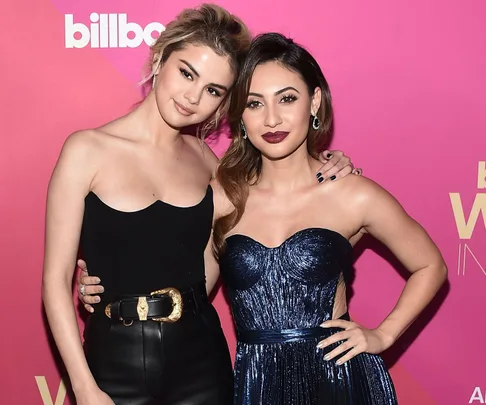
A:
[(409, 83)]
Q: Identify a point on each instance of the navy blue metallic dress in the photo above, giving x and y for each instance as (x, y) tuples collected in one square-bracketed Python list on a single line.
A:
[(279, 297)]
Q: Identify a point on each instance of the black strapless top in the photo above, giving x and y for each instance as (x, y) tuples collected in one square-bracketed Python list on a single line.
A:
[(137, 252)]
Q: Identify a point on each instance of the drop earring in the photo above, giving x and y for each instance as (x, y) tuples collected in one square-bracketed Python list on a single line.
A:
[(243, 130), (315, 122)]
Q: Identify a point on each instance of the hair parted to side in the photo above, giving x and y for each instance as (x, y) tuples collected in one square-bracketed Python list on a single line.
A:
[(242, 164), (207, 25)]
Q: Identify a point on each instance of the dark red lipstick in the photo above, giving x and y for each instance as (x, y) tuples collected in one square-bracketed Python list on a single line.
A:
[(275, 137)]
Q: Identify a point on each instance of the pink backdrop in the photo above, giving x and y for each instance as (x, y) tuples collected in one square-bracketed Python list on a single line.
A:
[(408, 80)]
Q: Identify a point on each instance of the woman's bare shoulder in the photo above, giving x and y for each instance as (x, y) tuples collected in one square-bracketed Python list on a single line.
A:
[(222, 204), (207, 155)]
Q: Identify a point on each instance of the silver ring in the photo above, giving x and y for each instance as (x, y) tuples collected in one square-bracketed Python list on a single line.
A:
[(81, 289)]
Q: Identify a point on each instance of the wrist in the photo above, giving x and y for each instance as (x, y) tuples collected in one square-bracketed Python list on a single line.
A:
[(386, 338), (84, 387)]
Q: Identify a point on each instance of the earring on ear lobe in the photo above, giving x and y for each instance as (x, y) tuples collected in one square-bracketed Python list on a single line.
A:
[(243, 130), (315, 122), (153, 81)]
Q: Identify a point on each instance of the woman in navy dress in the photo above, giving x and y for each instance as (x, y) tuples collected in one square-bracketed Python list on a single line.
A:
[(285, 245)]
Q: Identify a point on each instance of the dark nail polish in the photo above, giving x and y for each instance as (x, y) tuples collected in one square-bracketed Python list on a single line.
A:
[(318, 174), (329, 155), (333, 178), (320, 179)]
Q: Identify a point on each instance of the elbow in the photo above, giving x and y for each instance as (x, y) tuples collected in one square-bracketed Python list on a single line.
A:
[(53, 286), (442, 272), (45, 289)]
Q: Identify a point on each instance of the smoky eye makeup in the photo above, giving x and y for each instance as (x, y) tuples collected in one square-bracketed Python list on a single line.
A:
[(288, 98), (213, 92), (185, 73), (252, 104)]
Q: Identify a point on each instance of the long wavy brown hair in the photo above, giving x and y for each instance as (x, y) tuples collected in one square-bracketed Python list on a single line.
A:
[(242, 164)]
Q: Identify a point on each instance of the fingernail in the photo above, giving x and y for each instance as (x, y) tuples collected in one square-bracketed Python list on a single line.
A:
[(102, 289), (339, 362), (97, 299), (327, 357), (329, 155), (91, 310), (320, 179), (333, 177), (318, 174), (97, 280)]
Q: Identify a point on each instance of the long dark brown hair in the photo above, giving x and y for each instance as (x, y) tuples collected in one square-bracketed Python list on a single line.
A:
[(242, 164)]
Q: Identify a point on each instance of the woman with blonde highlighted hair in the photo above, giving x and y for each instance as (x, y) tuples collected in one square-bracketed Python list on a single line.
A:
[(135, 195)]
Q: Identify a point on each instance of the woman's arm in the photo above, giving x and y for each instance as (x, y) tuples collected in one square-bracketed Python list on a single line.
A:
[(222, 207), (69, 184), (385, 219), (211, 266)]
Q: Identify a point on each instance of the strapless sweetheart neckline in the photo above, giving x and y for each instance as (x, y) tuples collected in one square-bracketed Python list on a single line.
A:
[(153, 204), (294, 235)]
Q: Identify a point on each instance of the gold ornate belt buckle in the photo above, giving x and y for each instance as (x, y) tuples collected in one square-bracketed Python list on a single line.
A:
[(142, 308), (177, 305), (108, 310)]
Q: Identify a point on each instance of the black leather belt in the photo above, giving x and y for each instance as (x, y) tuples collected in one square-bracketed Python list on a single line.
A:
[(166, 305)]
